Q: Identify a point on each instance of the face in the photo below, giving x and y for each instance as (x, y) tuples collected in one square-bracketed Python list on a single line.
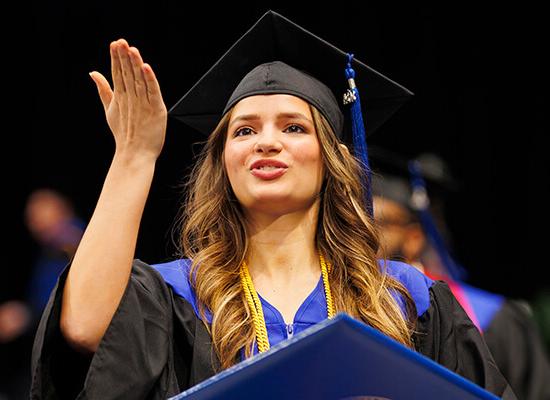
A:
[(392, 220), (45, 213), (272, 154)]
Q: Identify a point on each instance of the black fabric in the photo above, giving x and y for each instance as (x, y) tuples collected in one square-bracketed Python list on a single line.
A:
[(156, 347), (278, 77), (449, 337), (275, 38), (524, 363), (150, 334)]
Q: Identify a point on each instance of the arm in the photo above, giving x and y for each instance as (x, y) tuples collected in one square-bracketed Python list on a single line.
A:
[(101, 267)]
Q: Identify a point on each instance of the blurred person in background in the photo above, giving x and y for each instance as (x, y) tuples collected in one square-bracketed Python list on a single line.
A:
[(51, 219), (53, 224), (410, 223), (15, 349)]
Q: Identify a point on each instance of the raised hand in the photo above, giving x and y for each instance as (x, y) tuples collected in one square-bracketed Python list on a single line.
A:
[(134, 107), (137, 117)]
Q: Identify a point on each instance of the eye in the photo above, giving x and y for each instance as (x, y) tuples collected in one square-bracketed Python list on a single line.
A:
[(295, 129), (243, 131)]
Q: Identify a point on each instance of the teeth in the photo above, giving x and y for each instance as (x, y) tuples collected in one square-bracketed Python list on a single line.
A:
[(268, 167)]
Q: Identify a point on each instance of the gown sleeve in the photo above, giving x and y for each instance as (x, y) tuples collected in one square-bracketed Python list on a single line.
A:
[(135, 358), (515, 342), (446, 335)]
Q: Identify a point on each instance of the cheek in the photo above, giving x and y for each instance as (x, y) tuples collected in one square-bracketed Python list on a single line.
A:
[(234, 160), (310, 156)]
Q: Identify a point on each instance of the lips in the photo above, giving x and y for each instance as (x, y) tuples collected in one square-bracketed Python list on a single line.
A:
[(268, 169), (266, 163)]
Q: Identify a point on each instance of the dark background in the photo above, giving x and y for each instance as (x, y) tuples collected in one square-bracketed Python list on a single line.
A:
[(477, 73)]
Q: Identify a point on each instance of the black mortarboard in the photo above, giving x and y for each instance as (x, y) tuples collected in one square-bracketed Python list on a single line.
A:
[(275, 38), (433, 168), (392, 187)]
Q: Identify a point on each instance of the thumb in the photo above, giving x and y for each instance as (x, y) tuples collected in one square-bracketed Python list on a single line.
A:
[(103, 88)]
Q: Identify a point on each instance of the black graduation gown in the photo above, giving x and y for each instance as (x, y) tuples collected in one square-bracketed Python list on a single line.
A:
[(155, 346), (512, 336), (524, 363)]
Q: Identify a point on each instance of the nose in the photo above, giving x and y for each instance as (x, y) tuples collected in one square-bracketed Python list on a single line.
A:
[(268, 141)]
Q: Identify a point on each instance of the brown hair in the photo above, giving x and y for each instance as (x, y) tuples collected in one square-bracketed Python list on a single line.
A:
[(213, 236)]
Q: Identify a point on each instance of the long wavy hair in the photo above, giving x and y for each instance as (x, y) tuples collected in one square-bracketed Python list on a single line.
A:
[(213, 236)]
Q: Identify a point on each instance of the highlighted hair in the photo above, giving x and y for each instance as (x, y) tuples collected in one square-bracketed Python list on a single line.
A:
[(213, 236)]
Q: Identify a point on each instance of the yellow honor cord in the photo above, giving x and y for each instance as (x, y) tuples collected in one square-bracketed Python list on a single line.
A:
[(331, 310), (256, 306)]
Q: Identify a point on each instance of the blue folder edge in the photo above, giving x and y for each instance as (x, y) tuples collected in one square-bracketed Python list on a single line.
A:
[(341, 318)]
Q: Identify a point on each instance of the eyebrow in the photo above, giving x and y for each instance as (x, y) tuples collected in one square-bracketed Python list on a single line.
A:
[(254, 117)]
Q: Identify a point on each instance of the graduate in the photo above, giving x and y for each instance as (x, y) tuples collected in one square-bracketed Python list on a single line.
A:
[(276, 234), (411, 231)]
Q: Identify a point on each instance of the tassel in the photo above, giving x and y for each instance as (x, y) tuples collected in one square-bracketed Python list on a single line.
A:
[(421, 204), (358, 130)]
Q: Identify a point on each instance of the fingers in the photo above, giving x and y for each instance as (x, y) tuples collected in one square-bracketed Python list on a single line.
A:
[(153, 89), (123, 52), (116, 68), (103, 88), (140, 87), (131, 76)]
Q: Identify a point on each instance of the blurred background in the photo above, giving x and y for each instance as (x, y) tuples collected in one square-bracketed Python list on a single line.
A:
[(478, 74)]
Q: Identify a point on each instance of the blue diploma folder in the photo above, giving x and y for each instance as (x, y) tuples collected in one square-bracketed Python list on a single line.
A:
[(337, 359)]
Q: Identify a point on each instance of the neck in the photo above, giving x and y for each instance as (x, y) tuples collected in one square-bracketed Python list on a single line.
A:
[(282, 247)]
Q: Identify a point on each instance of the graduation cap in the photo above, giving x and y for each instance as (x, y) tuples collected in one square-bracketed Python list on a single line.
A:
[(432, 167), (278, 56), (275, 38)]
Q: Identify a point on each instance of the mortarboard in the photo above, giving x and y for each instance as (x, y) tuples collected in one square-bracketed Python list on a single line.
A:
[(278, 56), (275, 38), (432, 166)]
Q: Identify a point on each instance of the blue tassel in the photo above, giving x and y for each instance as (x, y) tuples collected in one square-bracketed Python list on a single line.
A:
[(358, 130), (421, 204)]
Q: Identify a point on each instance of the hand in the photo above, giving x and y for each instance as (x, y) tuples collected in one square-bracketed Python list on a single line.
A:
[(134, 108)]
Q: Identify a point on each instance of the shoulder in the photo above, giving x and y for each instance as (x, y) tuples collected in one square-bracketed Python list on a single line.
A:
[(146, 277), (176, 275), (513, 312), (417, 284), (485, 304)]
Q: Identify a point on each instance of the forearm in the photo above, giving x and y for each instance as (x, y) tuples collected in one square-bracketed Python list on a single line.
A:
[(102, 263)]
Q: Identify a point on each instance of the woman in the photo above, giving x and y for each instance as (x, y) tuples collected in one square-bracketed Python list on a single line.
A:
[(276, 237)]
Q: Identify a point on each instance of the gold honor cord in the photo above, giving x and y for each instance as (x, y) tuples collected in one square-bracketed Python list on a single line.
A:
[(256, 306)]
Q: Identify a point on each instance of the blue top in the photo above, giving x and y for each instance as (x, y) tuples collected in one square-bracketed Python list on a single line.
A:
[(314, 307)]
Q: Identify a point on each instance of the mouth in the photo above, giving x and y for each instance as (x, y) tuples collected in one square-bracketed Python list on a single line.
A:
[(267, 163), (267, 168), (268, 172)]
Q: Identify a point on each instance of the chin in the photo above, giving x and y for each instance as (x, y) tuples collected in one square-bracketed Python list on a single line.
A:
[(277, 202), (271, 197)]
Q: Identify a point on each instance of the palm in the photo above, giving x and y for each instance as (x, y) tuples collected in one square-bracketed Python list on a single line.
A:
[(134, 108)]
